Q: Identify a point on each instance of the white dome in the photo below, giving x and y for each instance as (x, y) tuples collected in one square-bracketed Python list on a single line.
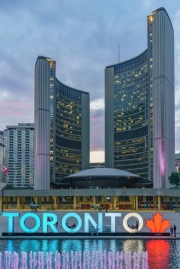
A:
[(100, 172)]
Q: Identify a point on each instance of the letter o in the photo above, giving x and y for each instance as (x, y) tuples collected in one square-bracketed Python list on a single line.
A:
[(66, 228), (30, 215), (136, 215)]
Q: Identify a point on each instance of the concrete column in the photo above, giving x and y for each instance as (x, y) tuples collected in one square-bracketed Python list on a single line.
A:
[(136, 202), (40, 202), (36, 200), (22, 202), (94, 200), (18, 202), (159, 202), (75, 202), (6, 202), (1, 202), (114, 202), (176, 199), (55, 202)]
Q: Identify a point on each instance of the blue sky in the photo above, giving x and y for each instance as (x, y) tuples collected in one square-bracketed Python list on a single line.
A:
[(82, 37)]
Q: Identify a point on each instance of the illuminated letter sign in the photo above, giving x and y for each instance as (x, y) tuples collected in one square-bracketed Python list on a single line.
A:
[(136, 215), (113, 224), (157, 225), (69, 229), (87, 218), (51, 223), (10, 220), (25, 228)]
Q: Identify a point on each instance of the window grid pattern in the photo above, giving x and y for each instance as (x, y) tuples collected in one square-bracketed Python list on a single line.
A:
[(151, 88), (20, 156), (51, 84), (68, 132), (131, 116)]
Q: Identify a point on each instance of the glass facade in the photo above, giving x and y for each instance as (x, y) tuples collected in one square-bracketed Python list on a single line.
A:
[(51, 85), (61, 128), (131, 115), (68, 131), (150, 67), (139, 107)]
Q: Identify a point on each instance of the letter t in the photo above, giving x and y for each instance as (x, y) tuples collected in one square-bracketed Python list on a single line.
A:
[(10, 220)]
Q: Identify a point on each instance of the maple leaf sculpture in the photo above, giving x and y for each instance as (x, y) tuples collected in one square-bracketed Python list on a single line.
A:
[(157, 225)]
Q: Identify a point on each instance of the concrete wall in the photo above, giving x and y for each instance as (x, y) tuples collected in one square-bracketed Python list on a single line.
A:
[(163, 99), (109, 117), (42, 125), (85, 145)]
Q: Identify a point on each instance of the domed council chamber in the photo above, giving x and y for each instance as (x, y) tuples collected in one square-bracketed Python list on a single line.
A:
[(103, 177)]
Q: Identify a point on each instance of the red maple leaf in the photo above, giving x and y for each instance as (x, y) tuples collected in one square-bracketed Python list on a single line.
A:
[(157, 225)]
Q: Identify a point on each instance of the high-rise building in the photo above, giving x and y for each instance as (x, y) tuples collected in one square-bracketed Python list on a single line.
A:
[(139, 107), (19, 154), (61, 127), (1, 154)]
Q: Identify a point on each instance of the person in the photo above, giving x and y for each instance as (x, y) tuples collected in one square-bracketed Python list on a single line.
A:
[(92, 230), (73, 226), (171, 231), (137, 226), (174, 230), (106, 210), (97, 229)]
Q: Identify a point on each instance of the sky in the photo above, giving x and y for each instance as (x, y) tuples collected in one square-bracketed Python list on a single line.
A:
[(82, 36)]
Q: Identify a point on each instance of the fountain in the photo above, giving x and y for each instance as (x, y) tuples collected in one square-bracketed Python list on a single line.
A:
[(74, 260)]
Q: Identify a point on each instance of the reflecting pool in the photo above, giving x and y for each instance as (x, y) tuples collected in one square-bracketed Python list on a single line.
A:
[(162, 253)]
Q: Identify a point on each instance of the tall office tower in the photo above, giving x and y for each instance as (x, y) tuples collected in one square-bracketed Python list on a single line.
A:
[(139, 107), (19, 154), (61, 127), (1, 154)]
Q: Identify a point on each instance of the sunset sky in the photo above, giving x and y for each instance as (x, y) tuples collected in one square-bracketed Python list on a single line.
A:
[(82, 37)]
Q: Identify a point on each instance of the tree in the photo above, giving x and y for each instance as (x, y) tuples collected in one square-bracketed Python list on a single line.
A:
[(174, 179)]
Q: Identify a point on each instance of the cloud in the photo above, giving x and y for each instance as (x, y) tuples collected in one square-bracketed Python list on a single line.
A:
[(97, 130), (82, 37)]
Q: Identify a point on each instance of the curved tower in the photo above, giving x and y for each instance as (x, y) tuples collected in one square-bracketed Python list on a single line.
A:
[(139, 107), (61, 127), (42, 124)]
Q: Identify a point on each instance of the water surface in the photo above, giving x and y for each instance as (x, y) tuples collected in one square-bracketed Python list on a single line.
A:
[(163, 254)]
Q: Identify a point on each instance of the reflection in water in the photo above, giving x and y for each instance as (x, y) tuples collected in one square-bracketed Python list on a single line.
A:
[(158, 253), (53, 245), (163, 254), (45, 245), (34, 245), (10, 245), (133, 245), (75, 245)]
